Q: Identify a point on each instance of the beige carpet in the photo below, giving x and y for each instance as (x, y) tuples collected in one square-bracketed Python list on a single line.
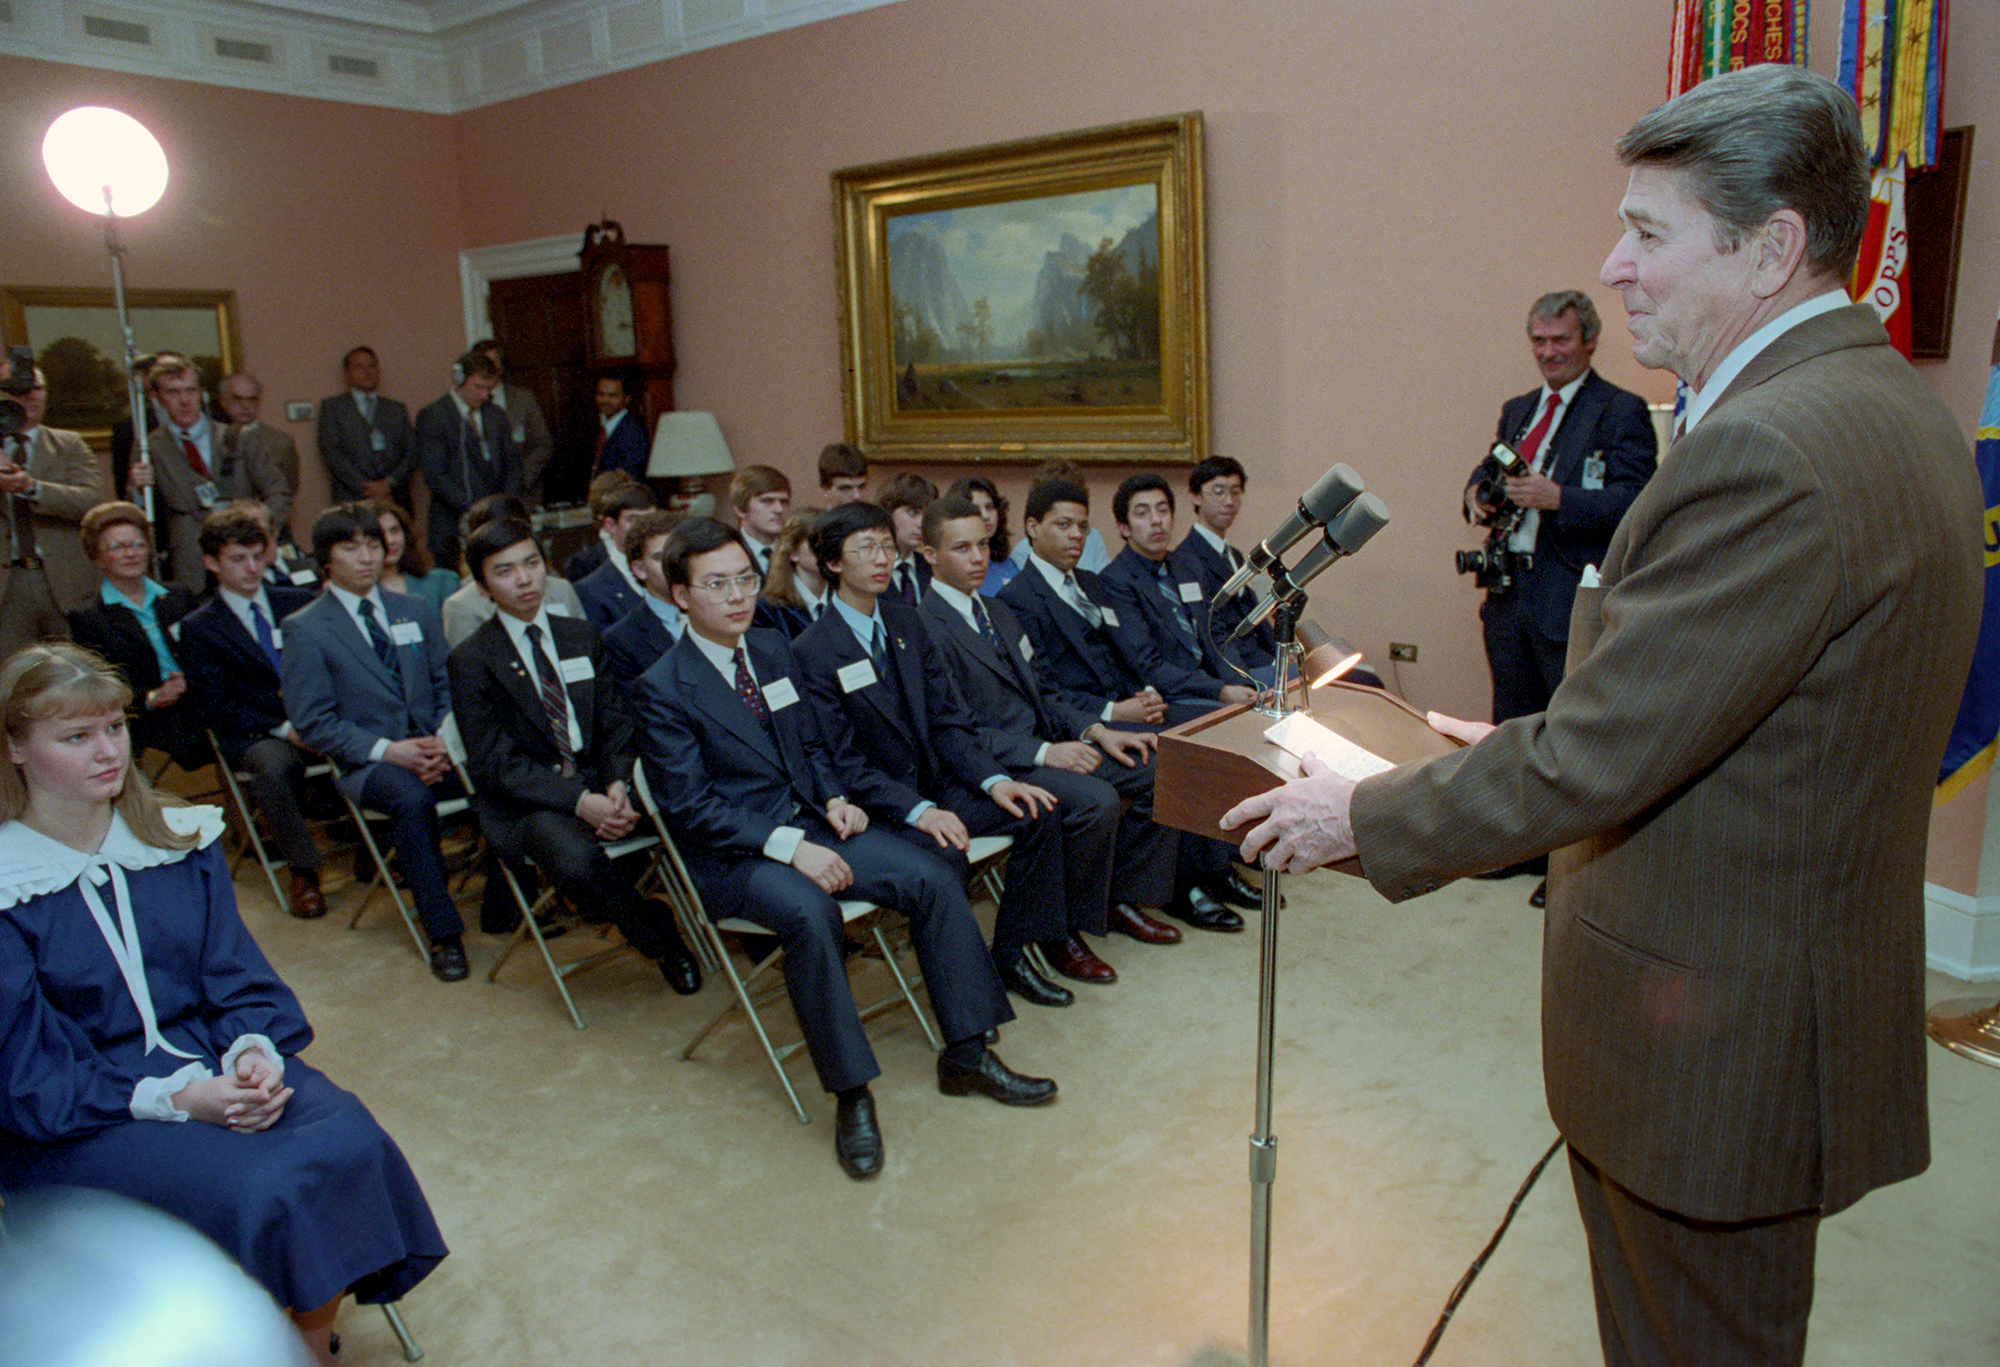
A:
[(607, 1203)]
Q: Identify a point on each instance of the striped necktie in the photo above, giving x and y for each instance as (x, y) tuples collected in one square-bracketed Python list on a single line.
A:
[(555, 699)]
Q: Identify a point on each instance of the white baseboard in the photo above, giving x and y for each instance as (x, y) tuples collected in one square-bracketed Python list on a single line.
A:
[(1962, 934)]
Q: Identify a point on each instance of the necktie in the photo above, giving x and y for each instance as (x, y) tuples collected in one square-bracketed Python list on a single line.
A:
[(193, 454), (379, 638), (555, 699), (878, 652), (746, 689), (1531, 445), (1091, 612), (266, 638), (1170, 590), (985, 625), (597, 459), (20, 512), (906, 583), (368, 409)]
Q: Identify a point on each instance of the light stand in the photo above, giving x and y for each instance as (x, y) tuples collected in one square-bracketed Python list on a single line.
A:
[(135, 398)]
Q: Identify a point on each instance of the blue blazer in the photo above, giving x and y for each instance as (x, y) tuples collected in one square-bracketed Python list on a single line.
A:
[(1177, 666), (340, 697), (605, 595), (1212, 569), (230, 680), (1087, 665), (1017, 711), (626, 448), (635, 642)]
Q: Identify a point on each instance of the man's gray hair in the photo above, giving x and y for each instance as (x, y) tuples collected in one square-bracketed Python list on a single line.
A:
[(1551, 307), (1766, 138)]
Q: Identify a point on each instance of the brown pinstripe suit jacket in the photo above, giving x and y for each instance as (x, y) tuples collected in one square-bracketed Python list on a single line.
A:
[(1736, 780)]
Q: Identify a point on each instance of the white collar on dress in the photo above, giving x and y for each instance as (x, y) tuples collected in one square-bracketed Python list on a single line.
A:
[(32, 864)]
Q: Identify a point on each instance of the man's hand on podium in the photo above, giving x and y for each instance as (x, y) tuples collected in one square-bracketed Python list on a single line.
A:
[(1471, 732), (1308, 823)]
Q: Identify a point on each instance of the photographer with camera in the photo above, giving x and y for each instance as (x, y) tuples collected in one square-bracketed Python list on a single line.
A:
[(1568, 460), (48, 480)]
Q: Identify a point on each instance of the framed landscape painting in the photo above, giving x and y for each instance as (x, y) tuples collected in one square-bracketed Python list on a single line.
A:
[(1028, 301)]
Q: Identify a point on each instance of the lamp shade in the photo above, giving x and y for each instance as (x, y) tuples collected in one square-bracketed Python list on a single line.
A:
[(104, 161), (686, 445)]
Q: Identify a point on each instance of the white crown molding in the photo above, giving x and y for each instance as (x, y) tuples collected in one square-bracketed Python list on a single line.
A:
[(445, 57)]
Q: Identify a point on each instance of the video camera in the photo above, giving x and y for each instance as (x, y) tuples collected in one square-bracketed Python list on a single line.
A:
[(1494, 565), (20, 383)]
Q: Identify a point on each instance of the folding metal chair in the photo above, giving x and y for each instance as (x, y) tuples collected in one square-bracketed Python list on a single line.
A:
[(764, 985), (252, 842), (446, 810), (530, 928)]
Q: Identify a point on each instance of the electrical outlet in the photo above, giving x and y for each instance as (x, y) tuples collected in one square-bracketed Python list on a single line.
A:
[(1403, 650), (296, 411)]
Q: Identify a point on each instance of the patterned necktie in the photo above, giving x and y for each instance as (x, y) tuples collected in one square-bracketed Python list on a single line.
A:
[(379, 638), (193, 454), (1531, 445), (746, 689), (1074, 591), (985, 625), (1170, 590), (266, 638), (555, 699)]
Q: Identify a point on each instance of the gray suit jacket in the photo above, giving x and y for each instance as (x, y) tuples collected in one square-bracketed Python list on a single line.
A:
[(533, 441), (73, 481), (261, 462), (347, 448), (340, 697), (1735, 777), (177, 506)]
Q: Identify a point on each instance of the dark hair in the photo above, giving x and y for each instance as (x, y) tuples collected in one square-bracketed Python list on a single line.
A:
[(947, 509), (1121, 502), (645, 528), (1049, 492), (998, 544), (416, 557), (491, 507), (229, 526), (354, 351), (1216, 467), (501, 534), (907, 490), (624, 498), (344, 522), (839, 459), (695, 536), (831, 530), (476, 363)]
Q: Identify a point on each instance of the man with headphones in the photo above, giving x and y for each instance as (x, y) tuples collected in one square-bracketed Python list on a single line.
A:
[(464, 450)]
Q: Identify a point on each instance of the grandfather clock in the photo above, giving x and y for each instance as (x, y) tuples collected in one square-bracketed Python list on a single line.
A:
[(629, 315)]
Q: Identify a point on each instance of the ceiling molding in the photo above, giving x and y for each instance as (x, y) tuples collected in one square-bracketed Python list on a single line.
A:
[(437, 56)]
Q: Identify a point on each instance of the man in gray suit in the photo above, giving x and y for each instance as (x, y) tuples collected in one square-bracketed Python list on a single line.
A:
[(183, 468), (364, 439), (527, 427), (1734, 775), (258, 461), (48, 480)]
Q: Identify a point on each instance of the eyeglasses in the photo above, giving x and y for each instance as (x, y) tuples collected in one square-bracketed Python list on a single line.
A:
[(721, 590), (119, 547), (873, 550)]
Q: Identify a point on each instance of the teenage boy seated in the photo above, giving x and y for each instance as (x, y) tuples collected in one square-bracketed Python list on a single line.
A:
[(232, 650), (467, 608), (1079, 648), (1215, 493), (1037, 735), (843, 474), (904, 498), (650, 629), (611, 590), (364, 683), (761, 499), (615, 499), (872, 672), (548, 741), (750, 786), (1162, 612)]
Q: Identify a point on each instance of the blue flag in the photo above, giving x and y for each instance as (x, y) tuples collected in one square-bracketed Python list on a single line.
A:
[(1970, 750)]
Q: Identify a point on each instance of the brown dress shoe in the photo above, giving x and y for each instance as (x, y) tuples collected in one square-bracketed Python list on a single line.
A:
[(307, 902), (1072, 958), (1127, 919)]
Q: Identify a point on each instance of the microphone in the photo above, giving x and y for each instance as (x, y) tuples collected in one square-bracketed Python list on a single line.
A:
[(1337, 488), (1346, 533)]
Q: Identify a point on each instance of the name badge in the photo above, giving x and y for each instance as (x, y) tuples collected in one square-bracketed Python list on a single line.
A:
[(857, 675), (779, 694), (1190, 593), (304, 577), (277, 637), (205, 494), (557, 609), (1593, 470), (1027, 649), (377, 440), (1110, 618), (406, 633), (576, 670)]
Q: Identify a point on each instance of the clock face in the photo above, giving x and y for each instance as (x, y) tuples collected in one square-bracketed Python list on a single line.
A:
[(615, 333)]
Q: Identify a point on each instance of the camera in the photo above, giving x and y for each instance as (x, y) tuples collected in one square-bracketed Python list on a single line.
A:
[(1489, 488), (1494, 565), (20, 382)]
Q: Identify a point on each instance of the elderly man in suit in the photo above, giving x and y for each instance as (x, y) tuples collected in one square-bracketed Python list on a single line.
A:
[(231, 648), (49, 479), (364, 683), (549, 746), (465, 450), (751, 788), (1735, 774), (258, 461), (364, 439)]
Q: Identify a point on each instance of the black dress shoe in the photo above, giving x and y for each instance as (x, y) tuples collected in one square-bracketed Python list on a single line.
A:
[(1540, 896), (1202, 912), (1020, 978), (681, 971), (1224, 888), (448, 963), (991, 1077), (857, 1139)]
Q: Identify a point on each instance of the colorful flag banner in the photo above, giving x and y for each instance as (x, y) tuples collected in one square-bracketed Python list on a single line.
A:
[(1969, 753), (1882, 270), (1714, 36), (1892, 55)]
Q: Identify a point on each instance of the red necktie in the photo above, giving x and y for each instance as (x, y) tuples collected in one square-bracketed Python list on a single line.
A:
[(597, 458), (1531, 445), (193, 454)]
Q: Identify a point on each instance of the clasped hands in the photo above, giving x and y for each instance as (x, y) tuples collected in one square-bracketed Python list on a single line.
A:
[(249, 1099), (423, 756), (1309, 822)]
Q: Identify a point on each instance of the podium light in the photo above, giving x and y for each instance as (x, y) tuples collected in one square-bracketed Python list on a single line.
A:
[(1323, 657)]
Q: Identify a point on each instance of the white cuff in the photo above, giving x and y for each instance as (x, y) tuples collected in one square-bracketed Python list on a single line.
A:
[(784, 843), (378, 749), (917, 812), (253, 1042), (153, 1097), (1041, 754)]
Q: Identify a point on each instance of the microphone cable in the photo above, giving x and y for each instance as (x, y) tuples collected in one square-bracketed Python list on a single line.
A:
[(1465, 1282)]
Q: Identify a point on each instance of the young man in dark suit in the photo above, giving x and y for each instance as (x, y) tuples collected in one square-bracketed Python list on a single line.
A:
[(651, 627), (616, 501), (548, 740), (750, 786), (232, 649), (872, 671), (465, 450), (1081, 650), (1215, 497), (1032, 731)]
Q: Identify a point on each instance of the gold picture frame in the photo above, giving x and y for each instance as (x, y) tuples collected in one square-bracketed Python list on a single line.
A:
[(997, 303), (74, 331)]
